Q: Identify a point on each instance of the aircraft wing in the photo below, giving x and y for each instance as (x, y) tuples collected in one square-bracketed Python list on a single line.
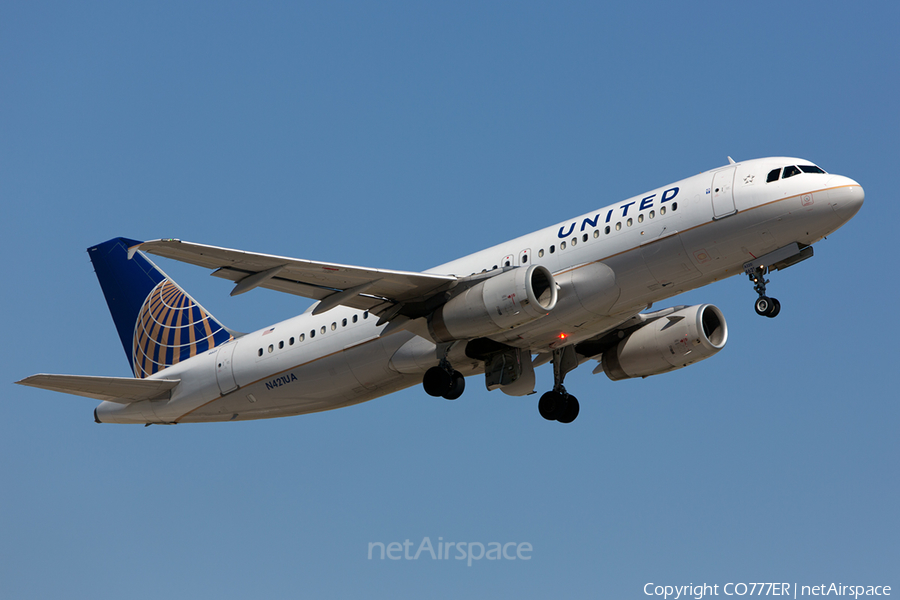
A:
[(375, 290), (122, 390)]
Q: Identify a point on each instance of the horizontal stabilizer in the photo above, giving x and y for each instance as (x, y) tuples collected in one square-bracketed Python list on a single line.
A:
[(122, 390)]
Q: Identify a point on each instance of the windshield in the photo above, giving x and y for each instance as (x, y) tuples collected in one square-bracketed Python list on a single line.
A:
[(790, 171)]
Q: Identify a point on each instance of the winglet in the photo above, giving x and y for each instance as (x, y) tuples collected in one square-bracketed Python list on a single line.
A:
[(132, 250)]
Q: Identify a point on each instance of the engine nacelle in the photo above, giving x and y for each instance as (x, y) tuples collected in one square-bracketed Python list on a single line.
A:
[(502, 302), (668, 343)]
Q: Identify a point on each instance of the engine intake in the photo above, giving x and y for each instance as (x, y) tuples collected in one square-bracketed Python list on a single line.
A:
[(502, 302), (677, 340)]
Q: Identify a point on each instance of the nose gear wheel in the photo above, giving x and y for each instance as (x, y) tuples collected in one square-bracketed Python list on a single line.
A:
[(767, 307), (764, 306)]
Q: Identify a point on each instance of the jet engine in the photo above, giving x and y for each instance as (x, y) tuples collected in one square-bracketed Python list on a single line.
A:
[(668, 343), (507, 300)]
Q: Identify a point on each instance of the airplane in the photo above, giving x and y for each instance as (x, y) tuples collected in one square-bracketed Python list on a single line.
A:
[(576, 291)]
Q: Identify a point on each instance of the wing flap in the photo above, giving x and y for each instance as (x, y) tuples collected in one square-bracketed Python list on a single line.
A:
[(307, 278), (122, 390)]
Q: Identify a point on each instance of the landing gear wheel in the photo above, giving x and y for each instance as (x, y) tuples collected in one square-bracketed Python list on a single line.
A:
[(549, 405), (457, 386), (767, 307), (568, 412), (437, 382), (558, 405), (440, 382)]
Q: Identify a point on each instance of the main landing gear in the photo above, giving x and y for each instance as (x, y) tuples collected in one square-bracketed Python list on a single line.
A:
[(443, 381), (558, 404), (765, 306)]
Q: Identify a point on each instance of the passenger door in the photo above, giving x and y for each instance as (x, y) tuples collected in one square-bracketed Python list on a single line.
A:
[(224, 368), (723, 193)]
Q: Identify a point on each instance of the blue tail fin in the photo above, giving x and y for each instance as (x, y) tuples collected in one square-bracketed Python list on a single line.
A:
[(158, 322)]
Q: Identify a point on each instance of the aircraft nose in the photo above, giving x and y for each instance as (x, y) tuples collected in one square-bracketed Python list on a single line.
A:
[(845, 195)]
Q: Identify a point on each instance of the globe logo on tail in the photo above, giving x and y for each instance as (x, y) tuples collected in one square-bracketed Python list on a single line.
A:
[(172, 327)]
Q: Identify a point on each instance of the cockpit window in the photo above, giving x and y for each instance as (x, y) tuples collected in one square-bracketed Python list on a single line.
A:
[(790, 172)]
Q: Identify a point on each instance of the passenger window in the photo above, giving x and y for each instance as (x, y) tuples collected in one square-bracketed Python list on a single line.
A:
[(607, 230), (334, 326), (312, 333), (652, 213), (506, 264), (302, 337), (552, 249), (271, 348), (562, 245), (641, 218), (596, 233), (322, 331), (524, 258), (260, 351), (291, 342), (344, 323), (773, 175), (630, 222), (355, 318), (366, 315), (540, 253), (619, 226), (281, 345), (790, 172), (584, 238), (662, 210)]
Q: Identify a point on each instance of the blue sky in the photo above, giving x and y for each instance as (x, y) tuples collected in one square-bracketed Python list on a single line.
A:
[(403, 135)]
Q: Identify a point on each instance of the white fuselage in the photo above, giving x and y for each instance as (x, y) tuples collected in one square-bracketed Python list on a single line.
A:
[(610, 264)]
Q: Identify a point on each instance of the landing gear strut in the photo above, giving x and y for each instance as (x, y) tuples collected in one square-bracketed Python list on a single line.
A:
[(557, 404), (444, 381), (765, 306)]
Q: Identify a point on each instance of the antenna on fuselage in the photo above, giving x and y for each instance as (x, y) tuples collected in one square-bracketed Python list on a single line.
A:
[(731, 161)]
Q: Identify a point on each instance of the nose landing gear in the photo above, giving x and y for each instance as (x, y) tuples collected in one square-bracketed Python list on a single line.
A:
[(757, 268), (765, 306)]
